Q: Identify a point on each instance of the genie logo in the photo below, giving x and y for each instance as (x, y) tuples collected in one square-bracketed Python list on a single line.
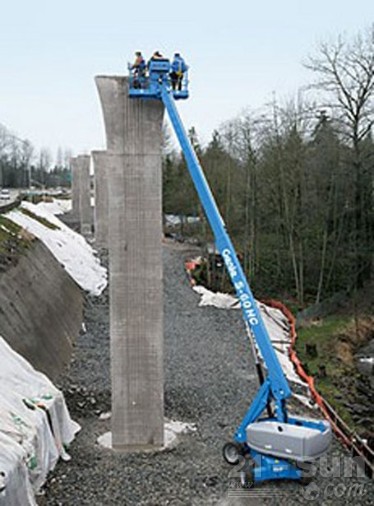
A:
[(226, 254)]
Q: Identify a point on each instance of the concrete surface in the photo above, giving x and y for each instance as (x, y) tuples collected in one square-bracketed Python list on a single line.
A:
[(101, 198), (85, 210), (134, 131), (75, 184), (40, 310)]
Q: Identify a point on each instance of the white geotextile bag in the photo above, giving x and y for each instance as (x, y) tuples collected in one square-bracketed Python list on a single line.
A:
[(29, 429), (20, 376), (33, 415), (15, 487)]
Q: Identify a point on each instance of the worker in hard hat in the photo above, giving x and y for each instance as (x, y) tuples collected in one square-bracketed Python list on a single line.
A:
[(157, 56), (139, 65), (138, 69), (178, 68)]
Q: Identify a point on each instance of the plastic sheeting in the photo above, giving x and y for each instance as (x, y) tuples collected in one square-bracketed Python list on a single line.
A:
[(174, 220), (15, 487), (68, 247), (35, 428), (56, 207)]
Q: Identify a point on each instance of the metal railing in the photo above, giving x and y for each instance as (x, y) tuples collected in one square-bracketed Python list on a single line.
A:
[(141, 80), (357, 446)]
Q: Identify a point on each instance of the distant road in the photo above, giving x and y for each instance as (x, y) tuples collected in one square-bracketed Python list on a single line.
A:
[(13, 194)]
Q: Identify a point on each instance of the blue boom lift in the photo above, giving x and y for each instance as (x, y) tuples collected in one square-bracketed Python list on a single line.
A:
[(275, 445)]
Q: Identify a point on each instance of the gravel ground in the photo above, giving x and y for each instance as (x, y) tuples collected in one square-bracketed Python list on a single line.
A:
[(209, 381)]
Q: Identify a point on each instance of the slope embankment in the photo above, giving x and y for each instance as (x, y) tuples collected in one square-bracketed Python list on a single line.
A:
[(40, 309), (45, 268)]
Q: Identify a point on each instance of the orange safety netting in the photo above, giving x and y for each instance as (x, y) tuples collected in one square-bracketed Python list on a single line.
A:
[(301, 372)]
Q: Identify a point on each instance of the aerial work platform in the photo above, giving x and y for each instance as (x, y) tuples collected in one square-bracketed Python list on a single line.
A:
[(275, 446), (148, 85)]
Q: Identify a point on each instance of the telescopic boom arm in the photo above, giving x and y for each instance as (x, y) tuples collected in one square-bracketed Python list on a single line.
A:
[(276, 383), (276, 442)]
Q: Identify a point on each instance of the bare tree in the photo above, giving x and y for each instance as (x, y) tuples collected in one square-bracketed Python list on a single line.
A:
[(284, 139), (26, 154), (59, 157), (345, 73), (240, 142), (43, 165), (4, 145)]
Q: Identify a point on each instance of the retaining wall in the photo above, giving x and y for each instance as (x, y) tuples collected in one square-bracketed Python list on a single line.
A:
[(41, 310)]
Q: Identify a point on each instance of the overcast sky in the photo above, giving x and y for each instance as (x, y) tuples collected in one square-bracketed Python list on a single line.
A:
[(239, 54)]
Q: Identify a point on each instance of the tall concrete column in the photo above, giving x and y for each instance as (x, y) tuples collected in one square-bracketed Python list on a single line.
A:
[(75, 182), (101, 216), (85, 210), (133, 131)]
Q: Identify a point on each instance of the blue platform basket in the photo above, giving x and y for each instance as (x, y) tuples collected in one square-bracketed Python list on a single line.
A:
[(147, 83)]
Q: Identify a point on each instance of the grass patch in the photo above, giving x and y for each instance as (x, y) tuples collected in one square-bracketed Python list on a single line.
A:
[(8, 227), (40, 219), (334, 376), (62, 196), (36, 198), (323, 335), (333, 395), (14, 241)]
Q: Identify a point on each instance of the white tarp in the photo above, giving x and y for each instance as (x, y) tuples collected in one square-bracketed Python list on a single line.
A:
[(174, 220), (172, 430), (15, 486), (56, 207), (35, 428), (69, 248)]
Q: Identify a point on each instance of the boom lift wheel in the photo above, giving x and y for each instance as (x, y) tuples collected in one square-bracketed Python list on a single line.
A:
[(232, 453), (247, 478)]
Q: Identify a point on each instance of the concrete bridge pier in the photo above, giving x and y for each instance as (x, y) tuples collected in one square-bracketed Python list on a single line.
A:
[(134, 132), (85, 211), (75, 182), (101, 216)]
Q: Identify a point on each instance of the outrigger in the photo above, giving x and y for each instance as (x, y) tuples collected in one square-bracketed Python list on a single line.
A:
[(275, 445)]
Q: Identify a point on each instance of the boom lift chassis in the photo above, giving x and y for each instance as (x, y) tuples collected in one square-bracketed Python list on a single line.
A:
[(276, 446)]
